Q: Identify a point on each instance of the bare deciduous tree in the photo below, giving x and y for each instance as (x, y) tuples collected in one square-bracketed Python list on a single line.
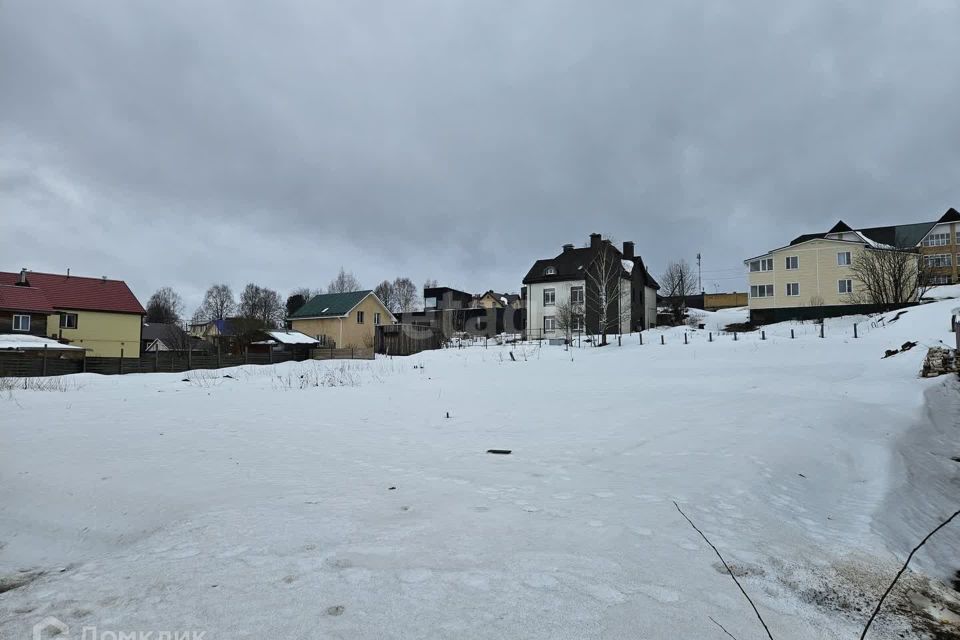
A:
[(388, 295), (165, 306), (430, 283), (889, 276), (676, 283), (605, 290), (407, 296), (218, 303), (260, 308), (569, 317), (344, 283)]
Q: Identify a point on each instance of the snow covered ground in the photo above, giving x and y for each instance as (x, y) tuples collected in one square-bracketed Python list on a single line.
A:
[(263, 506)]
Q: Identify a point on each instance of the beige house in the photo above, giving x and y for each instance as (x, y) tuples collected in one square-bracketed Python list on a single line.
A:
[(343, 320), (813, 276)]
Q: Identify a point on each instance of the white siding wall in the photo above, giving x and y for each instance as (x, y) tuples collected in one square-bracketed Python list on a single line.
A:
[(535, 309), (650, 306)]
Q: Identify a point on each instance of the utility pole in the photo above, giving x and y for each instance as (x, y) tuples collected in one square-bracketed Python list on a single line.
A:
[(699, 276)]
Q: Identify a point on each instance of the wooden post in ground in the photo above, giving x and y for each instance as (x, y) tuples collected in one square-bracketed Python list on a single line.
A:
[(641, 338), (121, 360), (821, 329), (246, 354), (734, 336), (854, 329), (791, 334), (662, 341), (44, 359), (763, 335), (270, 352), (218, 355), (189, 357), (710, 337), (685, 337)]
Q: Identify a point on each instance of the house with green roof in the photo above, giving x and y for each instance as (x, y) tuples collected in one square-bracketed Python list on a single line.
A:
[(343, 320)]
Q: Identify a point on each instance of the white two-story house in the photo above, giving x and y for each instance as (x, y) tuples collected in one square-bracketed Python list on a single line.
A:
[(574, 277)]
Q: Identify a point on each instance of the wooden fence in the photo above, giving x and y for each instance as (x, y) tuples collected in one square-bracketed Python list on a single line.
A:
[(347, 353), (407, 339), (39, 363)]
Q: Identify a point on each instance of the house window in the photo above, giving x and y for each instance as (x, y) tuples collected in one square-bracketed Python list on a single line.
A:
[(430, 303), (577, 324), (549, 297), (844, 286), (359, 317), (21, 322), (762, 265), (938, 260), (793, 288), (793, 262), (549, 323), (550, 271), (576, 295), (68, 321), (936, 240), (844, 258), (939, 279), (376, 318), (761, 291)]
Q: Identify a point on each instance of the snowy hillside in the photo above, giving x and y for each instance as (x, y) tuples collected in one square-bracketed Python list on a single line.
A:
[(357, 500)]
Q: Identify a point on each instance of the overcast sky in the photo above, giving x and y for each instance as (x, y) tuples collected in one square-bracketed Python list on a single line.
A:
[(185, 143)]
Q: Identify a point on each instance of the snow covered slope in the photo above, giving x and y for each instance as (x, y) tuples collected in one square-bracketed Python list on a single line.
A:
[(249, 507)]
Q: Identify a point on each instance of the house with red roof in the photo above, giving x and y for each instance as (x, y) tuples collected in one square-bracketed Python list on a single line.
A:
[(100, 315)]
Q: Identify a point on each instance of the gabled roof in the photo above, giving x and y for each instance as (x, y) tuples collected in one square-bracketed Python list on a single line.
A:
[(160, 330), (331, 305), (20, 298), (950, 216), (840, 227), (570, 265), (76, 292)]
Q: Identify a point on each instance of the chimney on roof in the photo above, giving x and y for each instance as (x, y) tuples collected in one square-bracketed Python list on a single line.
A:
[(68, 272), (628, 250), (567, 247), (594, 240), (103, 279), (22, 280)]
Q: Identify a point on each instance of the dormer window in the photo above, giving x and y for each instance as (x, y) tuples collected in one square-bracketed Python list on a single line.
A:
[(550, 271)]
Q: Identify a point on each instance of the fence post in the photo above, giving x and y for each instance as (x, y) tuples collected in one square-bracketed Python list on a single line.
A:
[(246, 354), (710, 337), (353, 353), (189, 357), (763, 335), (219, 366), (662, 341), (619, 343), (641, 338), (270, 351), (156, 361), (854, 329), (821, 329), (121, 360), (791, 334), (734, 336), (684, 337), (44, 359)]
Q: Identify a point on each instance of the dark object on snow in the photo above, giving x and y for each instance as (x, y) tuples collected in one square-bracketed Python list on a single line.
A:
[(906, 346), (503, 452), (391, 488), (890, 352), (511, 357), (448, 414), (185, 380), (955, 458), (230, 376), (801, 475), (897, 317)]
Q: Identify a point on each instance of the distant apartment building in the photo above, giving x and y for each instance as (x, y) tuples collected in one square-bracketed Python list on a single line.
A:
[(812, 276)]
